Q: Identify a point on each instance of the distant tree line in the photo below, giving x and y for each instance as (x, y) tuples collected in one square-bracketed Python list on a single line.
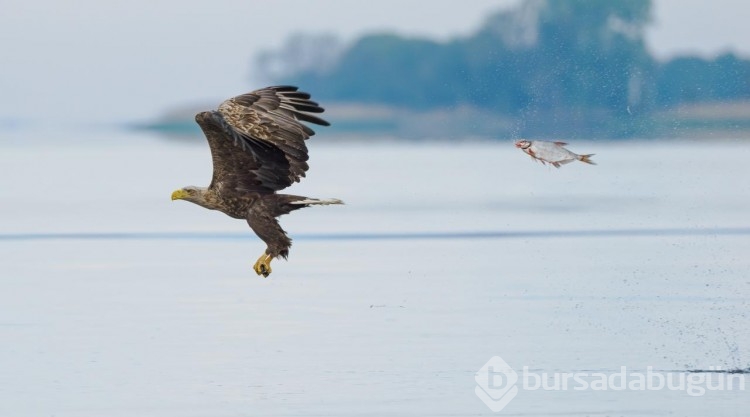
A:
[(577, 57), (692, 79)]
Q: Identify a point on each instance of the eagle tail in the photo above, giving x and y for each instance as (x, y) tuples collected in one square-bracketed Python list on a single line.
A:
[(316, 201)]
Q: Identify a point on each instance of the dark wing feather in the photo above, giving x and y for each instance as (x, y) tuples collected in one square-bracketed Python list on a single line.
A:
[(239, 167), (257, 141)]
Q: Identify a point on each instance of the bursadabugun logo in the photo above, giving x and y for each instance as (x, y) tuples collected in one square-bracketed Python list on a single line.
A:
[(496, 383)]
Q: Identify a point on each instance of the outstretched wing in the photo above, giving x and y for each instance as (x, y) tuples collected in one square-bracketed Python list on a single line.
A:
[(257, 139)]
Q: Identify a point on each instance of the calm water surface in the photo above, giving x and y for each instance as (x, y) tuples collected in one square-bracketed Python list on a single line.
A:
[(118, 302)]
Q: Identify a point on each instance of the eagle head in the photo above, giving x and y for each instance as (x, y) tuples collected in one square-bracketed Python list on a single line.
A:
[(190, 193), (202, 116)]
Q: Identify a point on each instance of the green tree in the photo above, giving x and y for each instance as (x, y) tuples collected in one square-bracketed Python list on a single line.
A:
[(591, 51), (389, 69), (544, 54), (576, 63), (693, 79)]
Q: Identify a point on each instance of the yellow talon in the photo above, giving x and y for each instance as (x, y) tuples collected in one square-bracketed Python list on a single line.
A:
[(263, 265)]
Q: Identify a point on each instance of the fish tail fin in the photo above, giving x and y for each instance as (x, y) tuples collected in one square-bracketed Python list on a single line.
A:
[(587, 158)]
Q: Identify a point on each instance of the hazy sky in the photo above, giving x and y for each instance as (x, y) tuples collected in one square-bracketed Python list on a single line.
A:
[(129, 60)]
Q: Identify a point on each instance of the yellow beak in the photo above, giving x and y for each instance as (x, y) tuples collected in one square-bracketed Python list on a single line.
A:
[(179, 195)]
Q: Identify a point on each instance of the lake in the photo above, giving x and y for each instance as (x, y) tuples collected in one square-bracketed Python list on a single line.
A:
[(117, 301)]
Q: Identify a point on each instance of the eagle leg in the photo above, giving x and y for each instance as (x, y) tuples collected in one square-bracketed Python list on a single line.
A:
[(263, 265)]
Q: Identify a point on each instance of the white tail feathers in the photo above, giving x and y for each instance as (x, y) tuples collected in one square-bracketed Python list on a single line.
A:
[(316, 201)]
